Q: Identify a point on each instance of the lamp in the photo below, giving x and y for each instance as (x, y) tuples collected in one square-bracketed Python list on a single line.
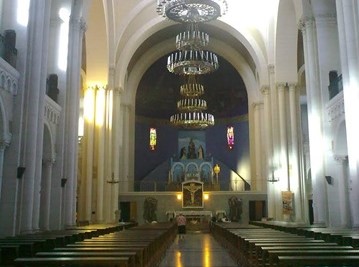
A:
[(191, 59), (216, 170), (191, 108), (113, 181), (273, 177)]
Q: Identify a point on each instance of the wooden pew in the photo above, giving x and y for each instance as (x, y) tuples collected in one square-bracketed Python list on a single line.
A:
[(136, 261), (274, 254), (139, 257), (262, 251), (77, 261), (302, 261)]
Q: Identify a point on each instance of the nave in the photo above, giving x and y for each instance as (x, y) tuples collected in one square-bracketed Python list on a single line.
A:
[(197, 250)]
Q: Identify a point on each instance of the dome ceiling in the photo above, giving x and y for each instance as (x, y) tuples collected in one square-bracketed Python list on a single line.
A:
[(158, 91)]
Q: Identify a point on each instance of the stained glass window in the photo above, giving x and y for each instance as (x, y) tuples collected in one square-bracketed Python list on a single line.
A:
[(153, 138), (230, 137)]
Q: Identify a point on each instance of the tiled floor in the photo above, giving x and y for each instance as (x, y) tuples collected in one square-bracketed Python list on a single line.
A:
[(197, 250)]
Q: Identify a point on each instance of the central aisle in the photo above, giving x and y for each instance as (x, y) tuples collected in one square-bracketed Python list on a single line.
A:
[(197, 250)]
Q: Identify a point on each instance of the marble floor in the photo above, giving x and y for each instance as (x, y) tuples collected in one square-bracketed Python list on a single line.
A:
[(197, 250)]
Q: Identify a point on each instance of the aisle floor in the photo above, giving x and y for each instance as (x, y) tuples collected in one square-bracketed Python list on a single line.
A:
[(197, 250)]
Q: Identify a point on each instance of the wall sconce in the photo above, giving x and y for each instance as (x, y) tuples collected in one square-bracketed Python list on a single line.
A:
[(20, 172), (179, 196), (205, 196), (63, 182), (273, 178)]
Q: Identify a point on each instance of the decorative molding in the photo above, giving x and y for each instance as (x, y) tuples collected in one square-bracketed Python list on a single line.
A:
[(83, 25), (9, 77), (340, 159), (52, 111), (326, 19), (271, 68), (257, 105), (292, 86), (265, 90), (335, 107), (306, 22), (281, 85)]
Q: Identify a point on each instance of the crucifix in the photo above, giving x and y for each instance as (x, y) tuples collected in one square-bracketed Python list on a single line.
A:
[(192, 188)]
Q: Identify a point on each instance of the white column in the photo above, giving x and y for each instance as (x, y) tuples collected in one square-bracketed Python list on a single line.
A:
[(116, 146), (124, 185), (89, 114), (315, 121), (344, 207), (76, 31), (269, 151), (100, 140), (35, 83), (108, 212), (296, 185), (2, 150), (260, 174), (347, 14), (283, 154), (45, 194)]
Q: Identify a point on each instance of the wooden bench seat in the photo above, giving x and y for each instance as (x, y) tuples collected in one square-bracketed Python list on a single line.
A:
[(302, 261), (139, 258), (274, 254), (262, 252), (78, 261), (136, 258)]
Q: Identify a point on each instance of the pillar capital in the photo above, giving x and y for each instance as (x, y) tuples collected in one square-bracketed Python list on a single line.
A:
[(257, 105), (292, 86), (326, 19), (271, 68), (282, 85), (48, 161), (340, 158), (265, 90), (305, 23)]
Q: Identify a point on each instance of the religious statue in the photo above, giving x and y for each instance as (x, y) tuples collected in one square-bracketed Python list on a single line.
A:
[(200, 152), (149, 209), (191, 150), (235, 209)]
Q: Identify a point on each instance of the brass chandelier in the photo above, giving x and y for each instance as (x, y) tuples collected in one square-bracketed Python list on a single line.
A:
[(190, 59)]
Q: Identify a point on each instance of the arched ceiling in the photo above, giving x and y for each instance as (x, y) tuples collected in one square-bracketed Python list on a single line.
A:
[(170, 32), (158, 91)]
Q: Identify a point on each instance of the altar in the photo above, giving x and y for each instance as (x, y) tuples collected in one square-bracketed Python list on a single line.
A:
[(197, 220)]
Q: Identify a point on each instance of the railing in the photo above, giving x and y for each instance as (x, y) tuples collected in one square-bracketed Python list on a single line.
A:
[(160, 186), (9, 77)]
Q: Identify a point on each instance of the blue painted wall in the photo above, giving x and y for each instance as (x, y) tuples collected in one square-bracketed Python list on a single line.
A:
[(167, 147)]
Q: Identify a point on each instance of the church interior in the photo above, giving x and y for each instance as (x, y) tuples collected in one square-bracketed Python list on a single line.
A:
[(135, 111)]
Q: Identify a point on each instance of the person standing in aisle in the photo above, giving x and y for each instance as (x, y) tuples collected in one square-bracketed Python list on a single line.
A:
[(181, 224)]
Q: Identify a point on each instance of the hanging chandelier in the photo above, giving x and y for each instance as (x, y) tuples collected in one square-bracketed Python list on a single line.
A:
[(191, 59), (192, 108)]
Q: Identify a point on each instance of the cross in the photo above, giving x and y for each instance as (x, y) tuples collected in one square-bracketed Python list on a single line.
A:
[(192, 188)]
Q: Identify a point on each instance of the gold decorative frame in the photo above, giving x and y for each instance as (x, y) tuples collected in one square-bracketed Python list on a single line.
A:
[(192, 192)]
